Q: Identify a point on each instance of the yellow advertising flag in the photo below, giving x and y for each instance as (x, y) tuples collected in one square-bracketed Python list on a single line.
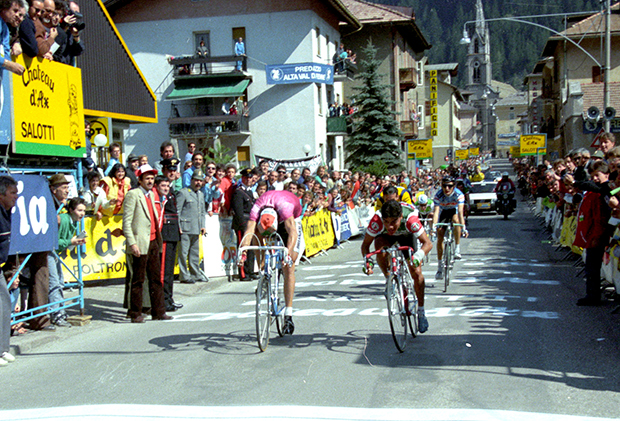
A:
[(515, 151), (461, 154), (474, 151), (530, 143), (420, 149), (48, 109)]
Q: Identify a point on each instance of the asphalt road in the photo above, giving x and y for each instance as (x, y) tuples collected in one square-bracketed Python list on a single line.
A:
[(506, 336)]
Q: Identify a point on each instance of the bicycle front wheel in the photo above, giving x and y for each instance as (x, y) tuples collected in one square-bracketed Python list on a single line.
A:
[(397, 313), (447, 265), (278, 308), (411, 305), (263, 312)]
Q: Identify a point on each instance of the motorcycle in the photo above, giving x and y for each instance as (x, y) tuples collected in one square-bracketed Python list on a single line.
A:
[(505, 203)]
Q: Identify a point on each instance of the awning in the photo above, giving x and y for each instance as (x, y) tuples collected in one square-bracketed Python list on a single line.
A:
[(214, 89)]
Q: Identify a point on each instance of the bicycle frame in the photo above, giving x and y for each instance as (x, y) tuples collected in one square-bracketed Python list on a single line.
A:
[(448, 250)]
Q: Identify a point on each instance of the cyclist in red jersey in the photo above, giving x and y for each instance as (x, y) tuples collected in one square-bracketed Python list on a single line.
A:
[(399, 222)]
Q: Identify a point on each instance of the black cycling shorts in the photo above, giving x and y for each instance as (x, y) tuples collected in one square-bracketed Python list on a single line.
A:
[(446, 215), (402, 240)]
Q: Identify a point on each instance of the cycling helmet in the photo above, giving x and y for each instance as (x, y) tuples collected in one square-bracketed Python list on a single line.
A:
[(505, 174), (447, 180), (268, 223), (423, 200)]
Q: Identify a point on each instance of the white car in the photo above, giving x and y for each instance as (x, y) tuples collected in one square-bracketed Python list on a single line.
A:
[(481, 197)]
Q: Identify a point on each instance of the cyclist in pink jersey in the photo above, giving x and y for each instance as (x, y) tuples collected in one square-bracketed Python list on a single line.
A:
[(279, 211)]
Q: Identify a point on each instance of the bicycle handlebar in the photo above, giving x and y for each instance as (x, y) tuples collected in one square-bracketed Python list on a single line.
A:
[(449, 224), (389, 249), (276, 248)]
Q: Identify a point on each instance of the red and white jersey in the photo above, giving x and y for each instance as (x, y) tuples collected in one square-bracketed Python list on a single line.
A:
[(410, 223)]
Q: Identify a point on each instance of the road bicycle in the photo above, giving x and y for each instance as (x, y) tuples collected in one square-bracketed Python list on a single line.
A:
[(426, 222), (448, 251), (402, 303), (270, 288)]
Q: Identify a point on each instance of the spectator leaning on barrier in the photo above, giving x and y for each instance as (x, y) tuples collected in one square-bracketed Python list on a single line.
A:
[(8, 197), (593, 233), (226, 185), (67, 237), (68, 39), (116, 186), (191, 207), (144, 247), (10, 11), (27, 37), (94, 196), (211, 188)]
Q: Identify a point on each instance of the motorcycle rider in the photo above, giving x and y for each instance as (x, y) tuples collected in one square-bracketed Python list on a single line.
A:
[(505, 185)]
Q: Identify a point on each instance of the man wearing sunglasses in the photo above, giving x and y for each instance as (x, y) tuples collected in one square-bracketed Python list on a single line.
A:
[(449, 207), (279, 211)]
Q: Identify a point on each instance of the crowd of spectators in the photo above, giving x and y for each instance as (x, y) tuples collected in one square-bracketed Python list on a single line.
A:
[(582, 185), (343, 58)]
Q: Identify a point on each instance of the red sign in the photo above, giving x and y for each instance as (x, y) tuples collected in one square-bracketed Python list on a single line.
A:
[(596, 141)]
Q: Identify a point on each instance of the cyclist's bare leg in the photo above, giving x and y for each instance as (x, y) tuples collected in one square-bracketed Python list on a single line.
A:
[(289, 281), (440, 233), (457, 229), (382, 258), (418, 282)]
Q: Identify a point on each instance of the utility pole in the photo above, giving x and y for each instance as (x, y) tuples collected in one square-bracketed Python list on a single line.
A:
[(607, 69)]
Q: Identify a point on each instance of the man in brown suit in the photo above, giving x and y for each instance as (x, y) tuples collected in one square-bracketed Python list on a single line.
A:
[(144, 245), (45, 30)]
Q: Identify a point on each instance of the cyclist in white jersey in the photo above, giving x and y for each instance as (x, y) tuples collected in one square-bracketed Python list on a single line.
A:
[(449, 206)]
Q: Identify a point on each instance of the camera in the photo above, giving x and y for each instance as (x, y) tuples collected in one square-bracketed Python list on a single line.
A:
[(79, 20)]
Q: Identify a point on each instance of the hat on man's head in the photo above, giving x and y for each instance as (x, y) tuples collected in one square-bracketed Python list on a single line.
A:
[(598, 154), (132, 158), (58, 179), (387, 178), (145, 169), (170, 164), (246, 172), (198, 174), (268, 220)]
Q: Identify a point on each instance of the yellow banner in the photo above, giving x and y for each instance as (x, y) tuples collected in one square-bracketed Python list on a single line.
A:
[(474, 151), (422, 148), (105, 251), (48, 109), (461, 154), (515, 151), (318, 232), (530, 143)]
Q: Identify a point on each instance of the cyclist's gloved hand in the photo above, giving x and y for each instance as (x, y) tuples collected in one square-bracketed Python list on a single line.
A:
[(465, 233), (368, 266), (288, 260), (418, 257)]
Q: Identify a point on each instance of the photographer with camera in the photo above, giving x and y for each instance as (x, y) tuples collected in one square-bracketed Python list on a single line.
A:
[(70, 23)]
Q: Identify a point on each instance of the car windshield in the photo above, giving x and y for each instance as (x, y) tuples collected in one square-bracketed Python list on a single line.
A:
[(482, 188)]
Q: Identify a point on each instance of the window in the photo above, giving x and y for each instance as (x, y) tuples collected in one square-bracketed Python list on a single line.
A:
[(239, 33), (318, 41), (421, 116), (420, 66), (243, 156), (327, 53), (597, 74), (512, 129), (476, 75), (319, 97), (511, 116)]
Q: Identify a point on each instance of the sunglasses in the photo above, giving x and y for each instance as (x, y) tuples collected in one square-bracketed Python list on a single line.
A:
[(211, 168), (447, 186), (281, 172)]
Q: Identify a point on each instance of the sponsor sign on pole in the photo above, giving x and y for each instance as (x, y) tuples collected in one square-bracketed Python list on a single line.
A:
[(461, 154), (474, 151), (48, 109), (318, 232), (515, 151), (433, 102), (530, 143), (279, 74), (422, 148)]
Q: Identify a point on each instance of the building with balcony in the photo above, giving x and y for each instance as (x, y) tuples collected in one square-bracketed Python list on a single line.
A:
[(507, 113), (400, 48), (274, 118), (571, 83)]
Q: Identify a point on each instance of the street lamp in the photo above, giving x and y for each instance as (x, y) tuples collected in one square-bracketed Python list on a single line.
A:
[(307, 149), (606, 68)]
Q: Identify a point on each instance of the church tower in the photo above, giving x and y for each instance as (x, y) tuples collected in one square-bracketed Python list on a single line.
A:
[(479, 71)]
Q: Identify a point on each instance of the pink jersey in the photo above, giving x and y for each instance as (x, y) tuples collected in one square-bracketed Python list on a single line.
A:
[(284, 202)]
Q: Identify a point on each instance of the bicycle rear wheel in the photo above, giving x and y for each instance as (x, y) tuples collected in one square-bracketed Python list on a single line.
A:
[(447, 265), (396, 313), (278, 309), (263, 312)]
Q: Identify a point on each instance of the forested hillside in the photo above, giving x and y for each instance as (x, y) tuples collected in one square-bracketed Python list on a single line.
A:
[(515, 47)]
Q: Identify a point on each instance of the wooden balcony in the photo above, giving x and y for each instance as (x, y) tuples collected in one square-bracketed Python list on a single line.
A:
[(409, 129), (408, 78)]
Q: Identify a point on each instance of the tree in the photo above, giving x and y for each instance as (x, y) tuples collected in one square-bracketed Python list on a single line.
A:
[(375, 134), (220, 154)]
